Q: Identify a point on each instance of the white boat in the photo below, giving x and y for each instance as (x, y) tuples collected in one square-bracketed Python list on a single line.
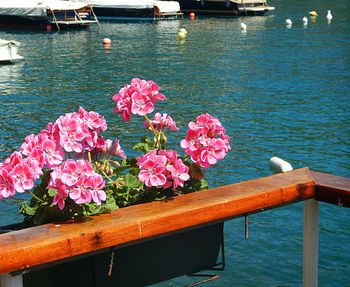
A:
[(9, 52), (135, 9), (46, 14), (167, 9), (253, 7)]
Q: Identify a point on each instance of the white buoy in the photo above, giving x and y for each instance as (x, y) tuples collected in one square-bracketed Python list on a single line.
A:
[(243, 26), (278, 165), (289, 22), (329, 16), (305, 20)]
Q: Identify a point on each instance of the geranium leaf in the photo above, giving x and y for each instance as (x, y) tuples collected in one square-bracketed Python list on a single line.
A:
[(52, 192)]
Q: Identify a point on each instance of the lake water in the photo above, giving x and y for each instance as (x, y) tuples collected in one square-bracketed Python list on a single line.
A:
[(278, 91)]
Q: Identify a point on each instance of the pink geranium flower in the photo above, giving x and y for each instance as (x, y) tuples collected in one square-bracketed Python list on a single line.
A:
[(177, 170), (162, 121), (206, 141), (54, 154), (93, 120), (7, 188), (96, 183), (152, 167), (137, 98), (98, 196), (162, 169), (61, 196), (123, 103), (80, 195), (71, 133), (117, 150), (78, 181), (141, 104), (23, 178)]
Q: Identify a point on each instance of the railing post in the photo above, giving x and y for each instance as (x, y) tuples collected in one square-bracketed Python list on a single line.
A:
[(310, 248), (7, 280)]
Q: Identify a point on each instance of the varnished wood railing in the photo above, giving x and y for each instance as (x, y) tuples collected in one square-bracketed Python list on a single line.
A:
[(39, 245)]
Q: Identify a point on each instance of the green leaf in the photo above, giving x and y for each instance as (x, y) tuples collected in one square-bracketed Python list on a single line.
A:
[(132, 181), (145, 145), (27, 210), (52, 192)]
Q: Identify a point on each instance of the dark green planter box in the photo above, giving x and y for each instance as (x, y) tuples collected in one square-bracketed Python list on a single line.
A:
[(141, 264)]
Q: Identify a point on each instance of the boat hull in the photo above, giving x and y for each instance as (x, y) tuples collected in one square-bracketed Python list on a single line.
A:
[(20, 21), (37, 23), (62, 16), (222, 8), (142, 11), (105, 13)]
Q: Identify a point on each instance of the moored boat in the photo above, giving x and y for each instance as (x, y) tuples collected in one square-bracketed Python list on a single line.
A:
[(167, 10), (9, 52), (226, 7), (46, 14), (111, 10)]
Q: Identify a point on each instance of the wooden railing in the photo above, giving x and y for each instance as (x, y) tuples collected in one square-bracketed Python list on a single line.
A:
[(49, 243)]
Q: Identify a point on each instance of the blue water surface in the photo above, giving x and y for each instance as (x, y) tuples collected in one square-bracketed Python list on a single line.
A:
[(278, 91)]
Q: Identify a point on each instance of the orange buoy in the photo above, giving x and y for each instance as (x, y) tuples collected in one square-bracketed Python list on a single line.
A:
[(192, 15), (106, 41)]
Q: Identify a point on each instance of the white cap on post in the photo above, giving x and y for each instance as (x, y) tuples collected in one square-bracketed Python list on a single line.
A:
[(278, 165)]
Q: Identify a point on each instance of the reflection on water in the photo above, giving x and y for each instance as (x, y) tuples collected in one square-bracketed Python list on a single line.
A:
[(9, 75), (278, 91)]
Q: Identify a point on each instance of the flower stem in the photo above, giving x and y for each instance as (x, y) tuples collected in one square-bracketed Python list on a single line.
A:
[(155, 133), (36, 197), (105, 175)]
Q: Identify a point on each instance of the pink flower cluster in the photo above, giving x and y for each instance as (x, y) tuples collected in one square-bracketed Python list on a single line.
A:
[(76, 133), (162, 121), (137, 98), (79, 181), (162, 168), (206, 141), (17, 174)]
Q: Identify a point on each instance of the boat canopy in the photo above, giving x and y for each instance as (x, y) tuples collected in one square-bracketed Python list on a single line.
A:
[(167, 6), (7, 43), (121, 4), (8, 51), (35, 8)]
